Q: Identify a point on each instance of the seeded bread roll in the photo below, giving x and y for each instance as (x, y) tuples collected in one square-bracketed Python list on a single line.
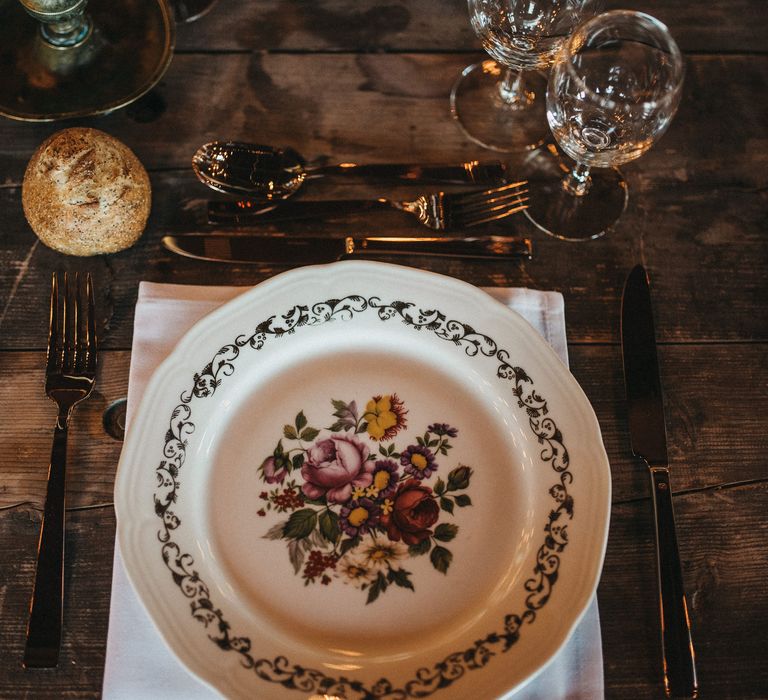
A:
[(86, 193)]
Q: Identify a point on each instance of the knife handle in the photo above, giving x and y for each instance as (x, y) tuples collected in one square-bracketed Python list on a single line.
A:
[(679, 659), (482, 247)]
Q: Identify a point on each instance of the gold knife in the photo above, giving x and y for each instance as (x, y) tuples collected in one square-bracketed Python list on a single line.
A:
[(303, 250)]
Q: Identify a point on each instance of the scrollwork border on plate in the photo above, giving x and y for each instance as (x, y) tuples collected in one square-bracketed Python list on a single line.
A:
[(280, 670)]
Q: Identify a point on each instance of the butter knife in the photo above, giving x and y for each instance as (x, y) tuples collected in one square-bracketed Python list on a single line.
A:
[(649, 442), (303, 250)]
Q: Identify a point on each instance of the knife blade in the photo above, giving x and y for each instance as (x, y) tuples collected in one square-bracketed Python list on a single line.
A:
[(303, 250), (648, 437)]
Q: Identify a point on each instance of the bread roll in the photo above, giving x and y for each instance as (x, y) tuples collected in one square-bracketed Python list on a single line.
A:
[(86, 193)]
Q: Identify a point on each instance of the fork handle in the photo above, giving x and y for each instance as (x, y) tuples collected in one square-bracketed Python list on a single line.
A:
[(244, 212), (46, 606), (471, 172)]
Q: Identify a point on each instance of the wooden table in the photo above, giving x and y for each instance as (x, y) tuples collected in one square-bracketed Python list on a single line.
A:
[(369, 81)]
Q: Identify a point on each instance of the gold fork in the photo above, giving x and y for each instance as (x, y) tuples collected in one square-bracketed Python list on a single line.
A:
[(69, 378), (441, 211)]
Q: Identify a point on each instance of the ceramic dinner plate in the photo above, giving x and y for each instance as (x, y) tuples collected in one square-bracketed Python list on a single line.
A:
[(363, 481)]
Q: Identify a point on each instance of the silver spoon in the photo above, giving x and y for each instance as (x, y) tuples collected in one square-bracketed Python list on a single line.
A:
[(272, 174)]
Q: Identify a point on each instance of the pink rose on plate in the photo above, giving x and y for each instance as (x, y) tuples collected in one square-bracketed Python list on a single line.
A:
[(334, 467)]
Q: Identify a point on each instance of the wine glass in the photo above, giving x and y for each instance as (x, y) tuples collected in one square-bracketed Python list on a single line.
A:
[(613, 91), (499, 103)]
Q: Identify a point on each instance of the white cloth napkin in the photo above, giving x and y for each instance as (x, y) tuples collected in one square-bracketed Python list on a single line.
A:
[(138, 664)]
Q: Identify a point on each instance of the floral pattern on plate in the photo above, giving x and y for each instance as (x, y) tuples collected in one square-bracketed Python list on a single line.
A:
[(358, 513)]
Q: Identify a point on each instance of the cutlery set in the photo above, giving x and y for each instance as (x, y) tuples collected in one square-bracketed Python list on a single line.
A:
[(263, 177)]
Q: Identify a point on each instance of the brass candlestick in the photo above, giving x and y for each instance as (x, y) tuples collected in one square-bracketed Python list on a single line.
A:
[(73, 58)]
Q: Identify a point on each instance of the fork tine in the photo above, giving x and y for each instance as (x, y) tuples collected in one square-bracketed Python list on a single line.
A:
[(493, 206), (90, 329), (54, 330), (68, 311), (482, 196), (496, 204), (78, 360), (497, 212), (492, 199)]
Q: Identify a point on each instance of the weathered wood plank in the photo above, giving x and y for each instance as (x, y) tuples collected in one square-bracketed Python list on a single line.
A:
[(713, 439), (374, 107), (712, 435), (724, 558), (432, 25)]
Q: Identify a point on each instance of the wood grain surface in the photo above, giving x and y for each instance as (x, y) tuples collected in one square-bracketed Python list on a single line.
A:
[(366, 81)]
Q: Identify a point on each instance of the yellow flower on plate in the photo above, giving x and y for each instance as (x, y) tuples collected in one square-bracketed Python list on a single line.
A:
[(385, 416)]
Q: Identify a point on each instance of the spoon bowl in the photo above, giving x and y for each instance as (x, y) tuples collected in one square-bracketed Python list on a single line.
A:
[(249, 170)]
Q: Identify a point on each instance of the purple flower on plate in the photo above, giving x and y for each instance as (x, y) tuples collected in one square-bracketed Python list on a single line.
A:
[(384, 478), (418, 461), (359, 516), (443, 429)]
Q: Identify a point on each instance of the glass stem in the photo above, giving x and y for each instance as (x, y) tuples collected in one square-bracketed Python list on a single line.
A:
[(63, 23), (577, 182), (513, 91)]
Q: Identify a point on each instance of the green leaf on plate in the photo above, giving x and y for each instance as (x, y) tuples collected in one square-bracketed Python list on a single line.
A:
[(416, 550), (445, 532), (441, 558), (378, 586), (309, 434), (300, 524), (329, 526), (400, 577), (349, 543)]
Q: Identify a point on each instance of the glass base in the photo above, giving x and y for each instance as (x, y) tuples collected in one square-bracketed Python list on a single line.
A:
[(487, 119), (563, 215)]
